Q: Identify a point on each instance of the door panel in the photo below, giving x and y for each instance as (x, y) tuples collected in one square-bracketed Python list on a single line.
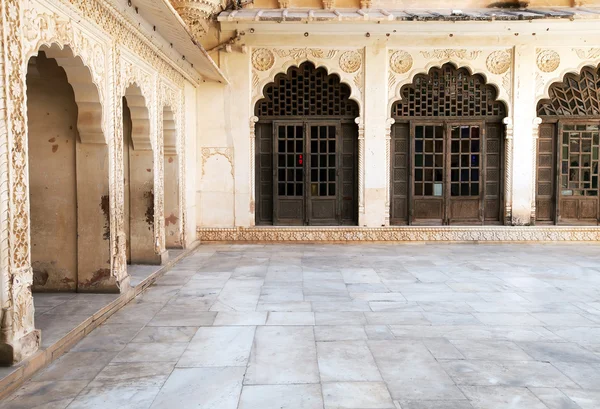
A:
[(546, 162), (578, 172), (428, 174), (349, 177), (323, 196), (399, 173), (289, 186), (264, 173), (465, 173), (494, 158)]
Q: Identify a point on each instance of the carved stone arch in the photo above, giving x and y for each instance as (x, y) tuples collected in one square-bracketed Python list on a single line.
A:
[(576, 95), (501, 93), (87, 89), (354, 85), (545, 81), (140, 118), (497, 106), (347, 106)]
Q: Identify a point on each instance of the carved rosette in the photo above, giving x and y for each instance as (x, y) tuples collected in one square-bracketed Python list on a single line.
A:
[(262, 59), (350, 61), (499, 62), (547, 60), (401, 62)]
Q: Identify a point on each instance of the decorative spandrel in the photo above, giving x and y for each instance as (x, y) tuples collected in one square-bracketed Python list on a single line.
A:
[(448, 92)]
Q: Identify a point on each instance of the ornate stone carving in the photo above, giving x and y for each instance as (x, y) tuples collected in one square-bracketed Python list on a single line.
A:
[(547, 60), (262, 59), (253, 121), (388, 165), (361, 166), (283, 4), (225, 152), (586, 54), (449, 53), (350, 61), (508, 174), (401, 62), (536, 134), (507, 83), (304, 53), (412, 234), (197, 14), (499, 62), (328, 4)]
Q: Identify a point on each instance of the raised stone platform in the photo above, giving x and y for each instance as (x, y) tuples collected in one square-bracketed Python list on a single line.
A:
[(400, 234)]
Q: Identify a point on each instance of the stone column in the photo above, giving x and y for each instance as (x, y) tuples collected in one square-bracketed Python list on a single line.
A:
[(523, 114), (375, 116), (156, 113), (18, 337), (252, 159)]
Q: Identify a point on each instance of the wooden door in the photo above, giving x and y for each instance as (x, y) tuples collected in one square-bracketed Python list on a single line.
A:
[(545, 200), (465, 160), (428, 171), (289, 173), (323, 193), (577, 162)]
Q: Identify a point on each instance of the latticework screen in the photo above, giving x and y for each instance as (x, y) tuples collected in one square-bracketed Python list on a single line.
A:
[(306, 91), (448, 92), (578, 95)]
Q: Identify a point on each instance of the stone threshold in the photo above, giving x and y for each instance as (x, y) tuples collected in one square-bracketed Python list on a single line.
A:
[(12, 377), (491, 234)]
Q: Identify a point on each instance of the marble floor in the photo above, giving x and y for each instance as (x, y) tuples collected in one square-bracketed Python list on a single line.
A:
[(360, 326)]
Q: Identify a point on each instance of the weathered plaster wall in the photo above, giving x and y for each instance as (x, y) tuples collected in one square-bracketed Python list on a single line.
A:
[(172, 216), (52, 176), (190, 139)]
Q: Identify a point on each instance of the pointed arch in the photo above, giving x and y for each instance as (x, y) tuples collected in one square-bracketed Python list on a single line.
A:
[(577, 95)]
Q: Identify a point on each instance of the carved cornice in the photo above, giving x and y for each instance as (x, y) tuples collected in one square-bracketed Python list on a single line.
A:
[(399, 234), (197, 14)]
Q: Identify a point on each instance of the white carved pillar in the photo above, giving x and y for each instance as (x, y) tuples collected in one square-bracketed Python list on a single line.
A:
[(18, 337), (252, 161), (508, 166), (156, 113), (117, 184), (536, 134), (361, 169), (388, 167)]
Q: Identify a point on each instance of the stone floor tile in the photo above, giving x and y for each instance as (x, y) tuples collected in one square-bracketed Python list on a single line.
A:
[(48, 394), (165, 334), (321, 306), (580, 335), (394, 306), (585, 375), (360, 276), (151, 352), (340, 333), (240, 318), (291, 318), (446, 306), (75, 366), (564, 319), (357, 395), (559, 352), (501, 397), (111, 396), (281, 397), (182, 316), (435, 404), (107, 337), (586, 399), (490, 350), (554, 398), (289, 306), (134, 374), (340, 318), (206, 388), (441, 348), (380, 297), (138, 311), (451, 318), (396, 318), (218, 346), (346, 361), (378, 332), (506, 373), (499, 318), (283, 355), (366, 288)]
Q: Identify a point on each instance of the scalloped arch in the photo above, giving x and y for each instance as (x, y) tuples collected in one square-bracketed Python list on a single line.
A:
[(86, 83), (140, 117), (560, 78), (409, 81), (355, 93), (284, 75), (501, 95)]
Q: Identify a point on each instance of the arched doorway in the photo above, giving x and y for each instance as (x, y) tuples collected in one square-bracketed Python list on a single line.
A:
[(171, 181), (306, 150), (568, 145), (446, 150), (68, 176), (138, 161)]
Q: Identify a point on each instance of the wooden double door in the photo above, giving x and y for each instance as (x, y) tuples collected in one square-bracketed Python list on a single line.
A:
[(567, 189), (314, 173), (446, 172)]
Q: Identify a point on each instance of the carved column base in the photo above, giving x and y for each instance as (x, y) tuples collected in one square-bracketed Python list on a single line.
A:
[(15, 351)]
